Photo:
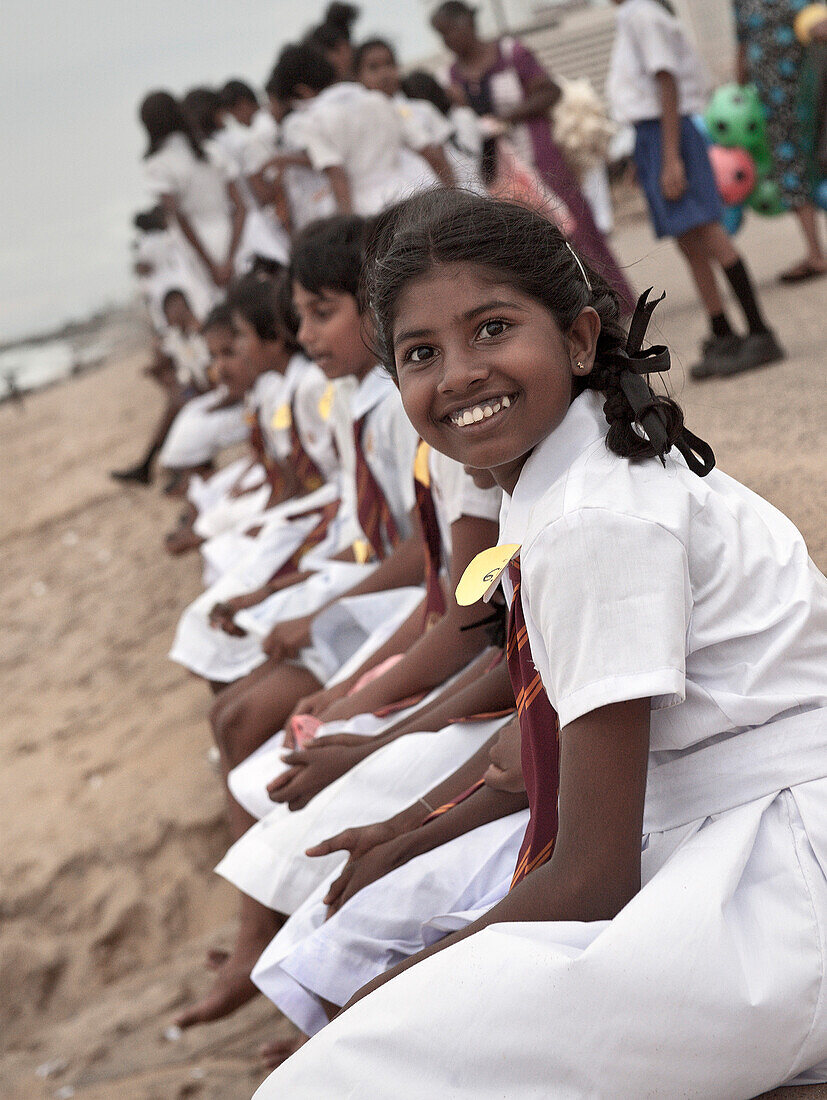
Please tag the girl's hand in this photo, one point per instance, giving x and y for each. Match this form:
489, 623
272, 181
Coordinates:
317, 703
222, 615
505, 773
360, 871
357, 841
312, 769
673, 178
287, 638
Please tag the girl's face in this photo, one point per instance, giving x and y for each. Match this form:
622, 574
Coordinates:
484, 371
258, 354
340, 57
229, 368
330, 331
457, 32
378, 71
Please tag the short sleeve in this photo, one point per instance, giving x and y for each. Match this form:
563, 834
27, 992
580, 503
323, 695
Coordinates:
526, 65
164, 174
312, 135
456, 493
423, 124
657, 40
610, 596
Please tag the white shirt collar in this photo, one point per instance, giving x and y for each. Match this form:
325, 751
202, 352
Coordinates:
373, 388
583, 425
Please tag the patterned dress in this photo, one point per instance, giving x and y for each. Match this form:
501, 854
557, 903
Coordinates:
777, 65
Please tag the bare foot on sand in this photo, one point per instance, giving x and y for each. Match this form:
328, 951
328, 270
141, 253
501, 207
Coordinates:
273, 1054
231, 989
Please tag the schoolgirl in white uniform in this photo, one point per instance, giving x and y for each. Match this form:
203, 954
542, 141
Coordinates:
194, 193
466, 136
355, 136
675, 629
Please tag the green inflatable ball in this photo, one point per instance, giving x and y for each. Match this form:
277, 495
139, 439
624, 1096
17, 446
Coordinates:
735, 117
766, 200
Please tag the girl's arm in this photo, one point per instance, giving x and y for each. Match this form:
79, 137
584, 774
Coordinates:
672, 171
172, 209
435, 156
340, 186
541, 94
436, 654
405, 566
595, 869
239, 217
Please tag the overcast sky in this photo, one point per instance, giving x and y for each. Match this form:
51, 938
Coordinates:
71, 76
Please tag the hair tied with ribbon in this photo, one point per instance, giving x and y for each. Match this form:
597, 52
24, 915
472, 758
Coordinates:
635, 365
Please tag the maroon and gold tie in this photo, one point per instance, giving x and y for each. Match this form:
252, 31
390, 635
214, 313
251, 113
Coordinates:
426, 511
259, 448
372, 509
308, 473
540, 747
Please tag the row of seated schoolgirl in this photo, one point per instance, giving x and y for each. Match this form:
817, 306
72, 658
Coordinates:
437, 821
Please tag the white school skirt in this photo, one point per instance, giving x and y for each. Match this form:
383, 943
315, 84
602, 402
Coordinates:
708, 984
199, 432
217, 656
269, 861
313, 959
204, 492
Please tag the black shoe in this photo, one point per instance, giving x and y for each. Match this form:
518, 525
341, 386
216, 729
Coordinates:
140, 474
719, 356
759, 349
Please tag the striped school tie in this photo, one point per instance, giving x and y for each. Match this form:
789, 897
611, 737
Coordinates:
426, 510
259, 448
372, 509
539, 729
308, 473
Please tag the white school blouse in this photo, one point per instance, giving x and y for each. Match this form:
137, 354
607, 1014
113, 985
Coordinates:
361, 131
648, 41
302, 391
640, 580
455, 495
199, 188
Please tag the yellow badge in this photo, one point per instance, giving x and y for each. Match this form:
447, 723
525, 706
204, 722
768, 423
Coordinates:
282, 418
421, 471
326, 402
361, 551
480, 578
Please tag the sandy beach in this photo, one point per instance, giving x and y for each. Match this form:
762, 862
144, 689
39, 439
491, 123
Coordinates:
112, 813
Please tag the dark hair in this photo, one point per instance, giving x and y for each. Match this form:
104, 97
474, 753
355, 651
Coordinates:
328, 254
528, 251
203, 105
256, 298
334, 28
171, 295
162, 115
151, 221
220, 316
364, 48
301, 64
422, 85
236, 91
454, 9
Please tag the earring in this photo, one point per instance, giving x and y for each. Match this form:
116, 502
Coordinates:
579, 366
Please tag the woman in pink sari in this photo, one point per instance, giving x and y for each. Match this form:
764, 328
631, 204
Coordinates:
504, 79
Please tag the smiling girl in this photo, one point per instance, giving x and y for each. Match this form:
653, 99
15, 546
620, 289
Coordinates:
667, 639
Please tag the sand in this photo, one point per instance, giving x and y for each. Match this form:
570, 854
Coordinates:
111, 810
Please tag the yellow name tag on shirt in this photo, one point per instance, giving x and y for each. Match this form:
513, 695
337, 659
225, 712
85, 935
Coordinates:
361, 551
282, 418
326, 403
422, 472
483, 573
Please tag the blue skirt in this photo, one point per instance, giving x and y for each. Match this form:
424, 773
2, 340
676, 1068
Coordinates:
700, 203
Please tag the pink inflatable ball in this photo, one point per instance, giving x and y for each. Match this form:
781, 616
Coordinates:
734, 171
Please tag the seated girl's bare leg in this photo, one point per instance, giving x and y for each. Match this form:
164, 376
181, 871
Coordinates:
226, 693
242, 728
273, 1054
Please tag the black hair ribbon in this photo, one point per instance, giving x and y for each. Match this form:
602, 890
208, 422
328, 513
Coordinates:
634, 365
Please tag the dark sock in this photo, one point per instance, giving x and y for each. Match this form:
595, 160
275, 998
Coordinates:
741, 284
720, 325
